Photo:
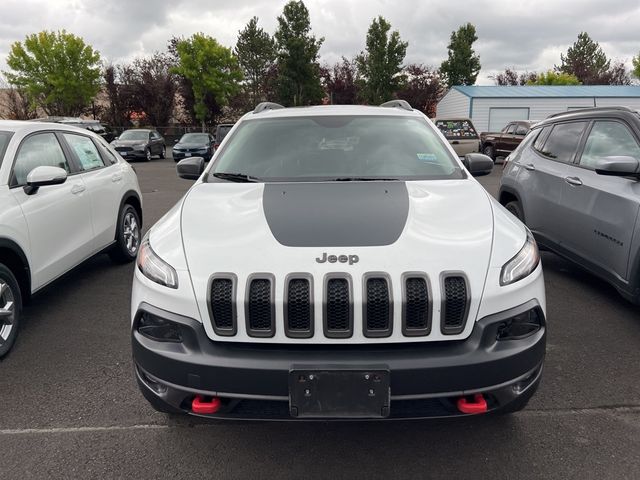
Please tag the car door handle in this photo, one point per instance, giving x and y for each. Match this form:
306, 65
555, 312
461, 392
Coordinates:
455, 142
575, 181
77, 188
530, 166
116, 177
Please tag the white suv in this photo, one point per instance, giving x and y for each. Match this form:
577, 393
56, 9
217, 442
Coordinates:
337, 262
65, 195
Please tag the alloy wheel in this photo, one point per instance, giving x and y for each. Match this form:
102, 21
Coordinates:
131, 233
7, 311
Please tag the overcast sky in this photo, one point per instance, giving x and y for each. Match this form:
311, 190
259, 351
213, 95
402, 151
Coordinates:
527, 35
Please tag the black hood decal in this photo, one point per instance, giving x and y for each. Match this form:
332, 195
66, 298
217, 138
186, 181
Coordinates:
336, 214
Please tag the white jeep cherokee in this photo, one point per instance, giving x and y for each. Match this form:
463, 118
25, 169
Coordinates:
337, 262
65, 195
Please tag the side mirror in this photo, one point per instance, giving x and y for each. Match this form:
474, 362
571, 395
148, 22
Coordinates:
190, 168
115, 138
617, 166
477, 163
176, 140
43, 176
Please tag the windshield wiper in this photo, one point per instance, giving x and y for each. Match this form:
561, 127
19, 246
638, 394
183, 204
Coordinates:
236, 177
363, 179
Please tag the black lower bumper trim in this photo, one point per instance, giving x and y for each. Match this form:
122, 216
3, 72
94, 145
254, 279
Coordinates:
419, 371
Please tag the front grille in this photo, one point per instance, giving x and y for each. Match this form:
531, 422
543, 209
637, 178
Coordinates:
260, 308
338, 311
299, 308
455, 305
124, 149
222, 306
377, 311
416, 313
294, 314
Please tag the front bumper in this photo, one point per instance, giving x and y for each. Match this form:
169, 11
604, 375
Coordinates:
136, 154
180, 155
252, 380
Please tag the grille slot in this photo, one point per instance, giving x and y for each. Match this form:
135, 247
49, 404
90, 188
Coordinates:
377, 309
298, 310
416, 310
455, 305
338, 308
259, 309
222, 305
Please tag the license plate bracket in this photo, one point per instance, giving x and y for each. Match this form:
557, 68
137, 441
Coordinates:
328, 393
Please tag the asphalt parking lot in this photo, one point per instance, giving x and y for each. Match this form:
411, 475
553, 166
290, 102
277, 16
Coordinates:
70, 408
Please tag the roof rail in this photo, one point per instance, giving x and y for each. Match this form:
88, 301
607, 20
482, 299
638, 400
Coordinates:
592, 109
261, 107
403, 104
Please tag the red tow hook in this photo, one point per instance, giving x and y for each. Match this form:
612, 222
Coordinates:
478, 405
202, 407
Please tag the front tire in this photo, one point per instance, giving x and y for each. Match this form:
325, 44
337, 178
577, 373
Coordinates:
163, 152
128, 236
147, 154
516, 209
10, 309
490, 152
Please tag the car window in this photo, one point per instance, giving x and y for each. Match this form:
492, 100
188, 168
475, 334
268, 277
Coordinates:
541, 138
521, 129
105, 151
562, 142
608, 138
135, 135
4, 142
457, 129
85, 150
506, 128
42, 149
511, 129
326, 148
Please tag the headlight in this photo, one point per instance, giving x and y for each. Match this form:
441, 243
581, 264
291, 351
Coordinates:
154, 268
520, 266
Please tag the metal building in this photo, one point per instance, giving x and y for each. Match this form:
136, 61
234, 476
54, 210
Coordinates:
491, 108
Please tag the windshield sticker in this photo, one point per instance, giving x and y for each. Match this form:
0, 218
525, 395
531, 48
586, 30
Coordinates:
427, 157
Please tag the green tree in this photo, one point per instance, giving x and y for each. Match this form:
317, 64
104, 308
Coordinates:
57, 71
636, 66
380, 65
462, 65
299, 80
587, 61
554, 78
256, 52
212, 70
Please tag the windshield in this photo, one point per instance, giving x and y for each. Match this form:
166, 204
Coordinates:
195, 138
457, 129
135, 135
4, 141
337, 148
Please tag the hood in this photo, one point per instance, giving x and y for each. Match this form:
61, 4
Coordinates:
433, 227
128, 143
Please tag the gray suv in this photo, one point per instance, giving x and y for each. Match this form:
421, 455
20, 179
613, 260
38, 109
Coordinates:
575, 182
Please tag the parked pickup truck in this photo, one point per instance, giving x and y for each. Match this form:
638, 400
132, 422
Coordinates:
502, 143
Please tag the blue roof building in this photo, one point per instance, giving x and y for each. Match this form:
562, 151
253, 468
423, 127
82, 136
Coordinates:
491, 108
